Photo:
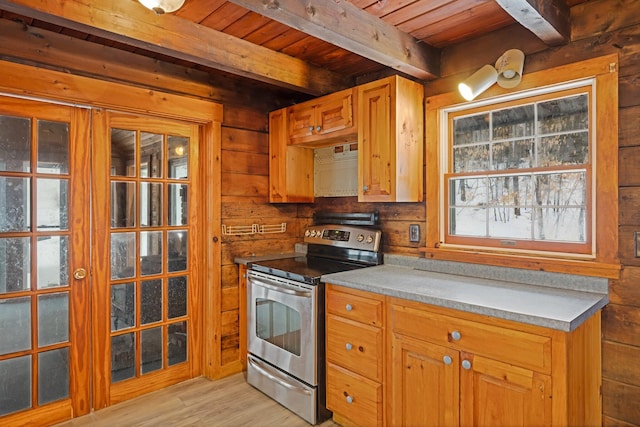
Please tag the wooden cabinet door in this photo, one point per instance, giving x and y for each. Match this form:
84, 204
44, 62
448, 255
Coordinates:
376, 148
424, 383
493, 393
335, 113
290, 167
301, 120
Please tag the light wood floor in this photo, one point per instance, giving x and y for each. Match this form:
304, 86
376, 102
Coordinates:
228, 402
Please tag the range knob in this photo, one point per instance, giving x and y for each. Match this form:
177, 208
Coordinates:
369, 239
307, 233
360, 237
313, 233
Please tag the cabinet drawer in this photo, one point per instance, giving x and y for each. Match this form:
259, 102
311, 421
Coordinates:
355, 346
355, 398
354, 307
506, 345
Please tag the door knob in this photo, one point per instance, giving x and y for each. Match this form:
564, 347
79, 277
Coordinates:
79, 273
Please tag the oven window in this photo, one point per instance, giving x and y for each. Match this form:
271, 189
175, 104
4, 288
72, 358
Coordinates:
278, 324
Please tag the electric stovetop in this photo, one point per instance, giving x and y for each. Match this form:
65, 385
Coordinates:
303, 268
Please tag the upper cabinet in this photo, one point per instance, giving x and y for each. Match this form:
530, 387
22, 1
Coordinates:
325, 120
290, 167
385, 117
390, 141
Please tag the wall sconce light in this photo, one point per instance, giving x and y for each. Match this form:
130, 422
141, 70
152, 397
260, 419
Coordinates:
507, 73
162, 6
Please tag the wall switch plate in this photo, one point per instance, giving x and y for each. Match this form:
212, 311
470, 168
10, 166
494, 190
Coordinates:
414, 233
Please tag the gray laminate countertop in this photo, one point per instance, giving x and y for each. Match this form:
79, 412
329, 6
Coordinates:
556, 307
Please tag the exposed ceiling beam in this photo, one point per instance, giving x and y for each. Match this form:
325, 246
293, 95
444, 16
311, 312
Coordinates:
342, 24
130, 23
549, 20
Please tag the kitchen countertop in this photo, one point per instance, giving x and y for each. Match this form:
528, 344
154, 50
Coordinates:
552, 306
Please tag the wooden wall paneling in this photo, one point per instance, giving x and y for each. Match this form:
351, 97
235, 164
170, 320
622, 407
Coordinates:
621, 325
619, 401
626, 242
245, 117
629, 206
245, 162
229, 276
595, 17
629, 132
247, 140
626, 290
252, 188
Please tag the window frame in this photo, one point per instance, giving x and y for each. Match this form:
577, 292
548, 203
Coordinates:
602, 260
510, 244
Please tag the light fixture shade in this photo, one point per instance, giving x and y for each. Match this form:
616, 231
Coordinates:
509, 67
162, 6
479, 81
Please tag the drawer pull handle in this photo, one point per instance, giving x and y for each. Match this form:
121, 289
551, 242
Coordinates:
318, 128
466, 364
456, 335
310, 128
348, 307
447, 360
349, 346
349, 399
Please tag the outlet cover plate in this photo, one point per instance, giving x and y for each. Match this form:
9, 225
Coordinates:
414, 233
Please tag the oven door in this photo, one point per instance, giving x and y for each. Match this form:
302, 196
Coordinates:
282, 321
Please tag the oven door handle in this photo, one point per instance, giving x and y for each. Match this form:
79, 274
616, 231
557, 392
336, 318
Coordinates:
257, 365
281, 287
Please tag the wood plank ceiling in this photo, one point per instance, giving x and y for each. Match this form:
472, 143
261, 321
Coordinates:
307, 46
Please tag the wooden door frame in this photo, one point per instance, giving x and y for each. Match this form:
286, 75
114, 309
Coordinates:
54, 86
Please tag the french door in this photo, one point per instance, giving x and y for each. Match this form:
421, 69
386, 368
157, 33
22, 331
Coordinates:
100, 292
145, 284
44, 262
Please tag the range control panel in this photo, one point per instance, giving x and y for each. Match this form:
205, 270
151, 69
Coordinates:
344, 236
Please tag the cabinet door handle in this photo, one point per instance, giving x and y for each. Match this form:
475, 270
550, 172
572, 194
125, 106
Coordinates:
310, 128
447, 360
349, 346
466, 364
349, 399
456, 335
348, 307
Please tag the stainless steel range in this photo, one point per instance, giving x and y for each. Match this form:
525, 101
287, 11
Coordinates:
285, 303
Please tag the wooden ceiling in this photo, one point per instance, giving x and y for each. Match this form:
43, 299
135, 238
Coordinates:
308, 46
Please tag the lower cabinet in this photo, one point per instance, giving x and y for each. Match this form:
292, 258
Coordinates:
355, 356
445, 367
449, 367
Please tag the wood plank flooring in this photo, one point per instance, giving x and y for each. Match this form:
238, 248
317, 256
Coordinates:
227, 402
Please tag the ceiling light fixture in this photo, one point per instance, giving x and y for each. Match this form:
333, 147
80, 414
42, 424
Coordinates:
507, 73
162, 6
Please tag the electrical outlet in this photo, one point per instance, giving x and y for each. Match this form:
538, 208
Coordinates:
414, 233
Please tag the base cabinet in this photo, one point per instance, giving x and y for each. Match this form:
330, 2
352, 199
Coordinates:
454, 368
355, 356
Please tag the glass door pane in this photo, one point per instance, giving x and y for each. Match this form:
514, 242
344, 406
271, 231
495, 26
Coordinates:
149, 243
41, 349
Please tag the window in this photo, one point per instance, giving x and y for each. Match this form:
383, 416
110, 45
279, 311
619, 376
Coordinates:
527, 178
519, 173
